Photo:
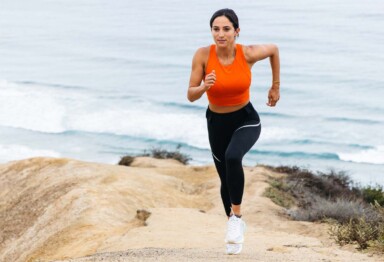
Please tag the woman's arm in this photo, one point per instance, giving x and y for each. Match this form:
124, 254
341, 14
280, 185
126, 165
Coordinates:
196, 88
256, 53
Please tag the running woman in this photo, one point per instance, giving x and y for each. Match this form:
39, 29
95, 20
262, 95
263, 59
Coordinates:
223, 71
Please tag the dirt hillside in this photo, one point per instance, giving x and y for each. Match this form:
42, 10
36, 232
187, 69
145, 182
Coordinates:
155, 210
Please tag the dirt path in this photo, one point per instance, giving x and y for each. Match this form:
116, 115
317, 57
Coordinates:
189, 234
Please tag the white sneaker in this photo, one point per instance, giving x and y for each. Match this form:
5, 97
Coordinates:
234, 249
235, 230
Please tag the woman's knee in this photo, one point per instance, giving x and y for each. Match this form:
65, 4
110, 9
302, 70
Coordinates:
232, 157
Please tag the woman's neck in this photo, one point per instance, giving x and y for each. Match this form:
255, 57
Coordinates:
226, 54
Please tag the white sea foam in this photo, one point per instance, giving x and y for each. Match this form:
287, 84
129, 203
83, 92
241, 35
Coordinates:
149, 120
54, 110
17, 152
370, 156
50, 110
271, 134
143, 120
26, 107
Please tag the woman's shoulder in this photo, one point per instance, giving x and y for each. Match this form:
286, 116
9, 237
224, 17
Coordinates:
254, 53
251, 51
203, 51
202, 54
248, 48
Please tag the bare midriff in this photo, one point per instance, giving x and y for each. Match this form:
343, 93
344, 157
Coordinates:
226, 109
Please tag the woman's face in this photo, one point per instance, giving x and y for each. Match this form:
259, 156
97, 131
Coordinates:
223, 31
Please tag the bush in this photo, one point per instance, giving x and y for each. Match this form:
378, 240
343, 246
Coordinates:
363, 231
372, 194
340, 210
333, 197
159, 154
356, 230
126, 160
279, 197
164, 154
329, 186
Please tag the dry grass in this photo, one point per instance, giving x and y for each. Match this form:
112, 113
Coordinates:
332, 197
341, 210
363, 231
278, 194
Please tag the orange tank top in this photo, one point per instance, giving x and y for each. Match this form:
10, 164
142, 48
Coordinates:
232, 81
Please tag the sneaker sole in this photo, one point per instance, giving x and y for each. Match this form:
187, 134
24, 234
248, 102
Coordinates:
234, 242
234, 249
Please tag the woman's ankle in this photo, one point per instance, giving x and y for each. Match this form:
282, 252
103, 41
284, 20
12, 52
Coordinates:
236, 210
234, 214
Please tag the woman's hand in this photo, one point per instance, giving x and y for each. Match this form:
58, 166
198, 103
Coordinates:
273, 96
209, 80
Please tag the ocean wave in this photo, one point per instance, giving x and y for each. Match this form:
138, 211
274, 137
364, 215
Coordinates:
297, 154
353, 120
140, 99
17, 152
144, 122
327, 143
184, 106
49, 110
277, 115
369, 156
276, 134
22, 106
41, 84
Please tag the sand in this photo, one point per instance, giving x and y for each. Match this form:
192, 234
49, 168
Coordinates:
155, 210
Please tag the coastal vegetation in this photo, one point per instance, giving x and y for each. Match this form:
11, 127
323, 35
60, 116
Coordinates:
355, 213
159, 153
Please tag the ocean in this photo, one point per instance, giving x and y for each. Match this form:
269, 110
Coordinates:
97, 80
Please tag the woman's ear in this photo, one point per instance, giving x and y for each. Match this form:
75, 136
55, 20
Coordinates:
237, 32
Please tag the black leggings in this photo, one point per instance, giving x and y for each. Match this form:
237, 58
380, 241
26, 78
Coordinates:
231, 136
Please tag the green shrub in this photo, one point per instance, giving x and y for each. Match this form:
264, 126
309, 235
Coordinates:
372, 194
279, 197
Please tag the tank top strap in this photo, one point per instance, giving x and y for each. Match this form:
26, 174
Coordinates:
212, 50
211, 63
239, 48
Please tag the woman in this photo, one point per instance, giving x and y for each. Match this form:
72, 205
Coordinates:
223, 72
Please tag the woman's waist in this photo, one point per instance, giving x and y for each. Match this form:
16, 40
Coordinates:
227, 109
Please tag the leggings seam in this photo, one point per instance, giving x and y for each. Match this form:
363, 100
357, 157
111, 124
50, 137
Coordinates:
248, 126
215, 157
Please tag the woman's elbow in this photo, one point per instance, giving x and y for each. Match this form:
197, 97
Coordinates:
190, 98
275, 49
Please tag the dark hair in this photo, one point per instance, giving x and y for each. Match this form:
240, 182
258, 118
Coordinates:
228, 13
